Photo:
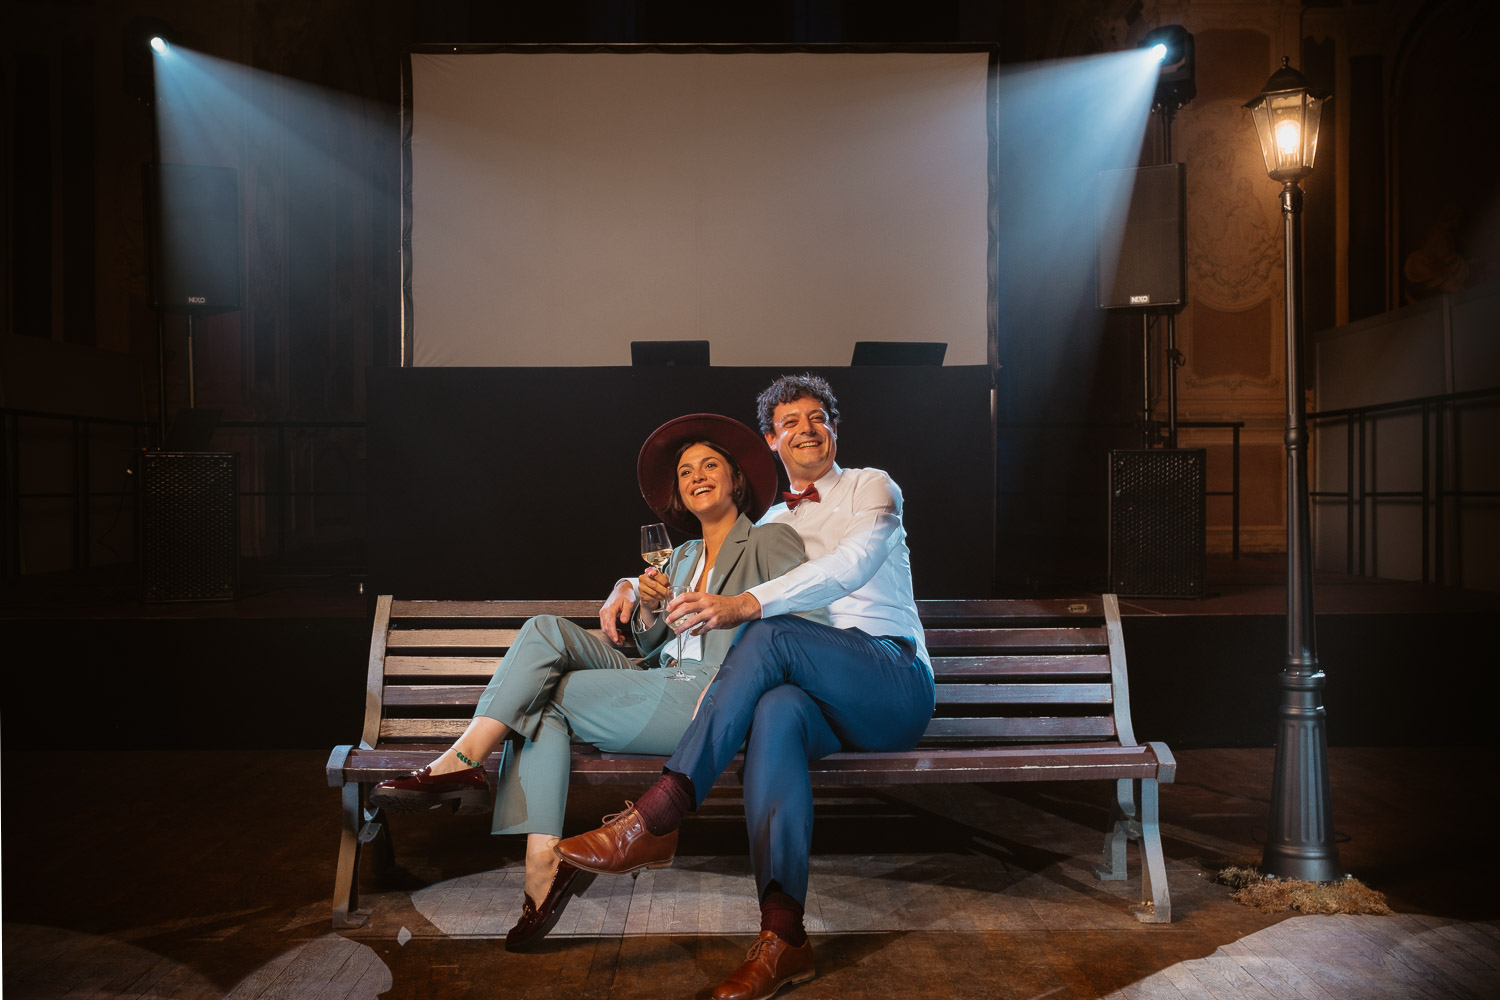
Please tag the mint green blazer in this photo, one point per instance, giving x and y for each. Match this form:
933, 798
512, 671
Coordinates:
750, 555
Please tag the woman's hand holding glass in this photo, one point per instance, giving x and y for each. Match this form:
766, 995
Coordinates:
655, 591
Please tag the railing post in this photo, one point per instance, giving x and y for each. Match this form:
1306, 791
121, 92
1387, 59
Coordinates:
1439, 567
1234, 500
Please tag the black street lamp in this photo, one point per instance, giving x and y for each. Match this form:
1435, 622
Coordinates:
1299, 844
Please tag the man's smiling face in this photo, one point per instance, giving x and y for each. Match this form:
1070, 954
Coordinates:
804, 440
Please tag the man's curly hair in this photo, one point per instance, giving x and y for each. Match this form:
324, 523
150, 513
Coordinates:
789, 389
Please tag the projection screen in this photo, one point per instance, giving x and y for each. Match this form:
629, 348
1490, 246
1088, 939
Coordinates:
779, 204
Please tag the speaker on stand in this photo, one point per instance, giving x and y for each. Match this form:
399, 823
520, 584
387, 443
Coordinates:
1157, 498
189, 496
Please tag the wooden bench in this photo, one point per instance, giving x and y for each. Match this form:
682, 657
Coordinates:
1026, 691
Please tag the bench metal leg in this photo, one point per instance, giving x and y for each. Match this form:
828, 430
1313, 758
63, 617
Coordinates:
358, 829
346, 912
1123, 827
1156, 901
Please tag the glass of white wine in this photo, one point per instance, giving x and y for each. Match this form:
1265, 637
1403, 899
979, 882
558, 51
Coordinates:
656, 547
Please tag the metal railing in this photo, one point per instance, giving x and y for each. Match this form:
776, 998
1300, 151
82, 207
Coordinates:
1437, 418
83, 491
1234, 427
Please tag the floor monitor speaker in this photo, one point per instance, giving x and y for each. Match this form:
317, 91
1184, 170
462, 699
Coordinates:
189, 526
1157, 522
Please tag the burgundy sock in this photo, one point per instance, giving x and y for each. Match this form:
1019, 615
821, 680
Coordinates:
782, 915
666, 802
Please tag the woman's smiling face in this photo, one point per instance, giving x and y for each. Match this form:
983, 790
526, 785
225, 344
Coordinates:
705, 482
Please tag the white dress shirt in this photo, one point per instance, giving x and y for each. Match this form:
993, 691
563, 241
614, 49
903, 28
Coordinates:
858, 564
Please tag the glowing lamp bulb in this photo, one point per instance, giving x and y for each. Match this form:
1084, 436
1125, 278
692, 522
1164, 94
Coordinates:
159, 44
1288, 138
1159, 51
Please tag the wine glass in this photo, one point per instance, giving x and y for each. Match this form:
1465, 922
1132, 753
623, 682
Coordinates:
656, 547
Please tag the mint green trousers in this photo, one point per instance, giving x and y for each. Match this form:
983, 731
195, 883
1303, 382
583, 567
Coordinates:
559, 684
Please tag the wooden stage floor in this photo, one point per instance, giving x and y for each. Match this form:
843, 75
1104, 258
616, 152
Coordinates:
207, 875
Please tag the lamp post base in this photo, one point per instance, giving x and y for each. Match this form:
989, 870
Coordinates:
1299, 843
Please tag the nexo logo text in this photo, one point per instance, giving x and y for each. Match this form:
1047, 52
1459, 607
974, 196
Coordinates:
1140, 300
197, 300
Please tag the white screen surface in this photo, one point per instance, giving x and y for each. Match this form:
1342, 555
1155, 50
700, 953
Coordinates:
779, 205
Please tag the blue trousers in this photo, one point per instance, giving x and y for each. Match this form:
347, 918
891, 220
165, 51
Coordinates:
792, 691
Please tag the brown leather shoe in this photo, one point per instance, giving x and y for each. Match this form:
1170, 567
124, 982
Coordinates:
621, 845
770, 965
466, 789
539, 918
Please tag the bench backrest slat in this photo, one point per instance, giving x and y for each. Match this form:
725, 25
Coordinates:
397, 667
1017, 638
455, 695
958, 668
422, 730
518, 610
1023, 694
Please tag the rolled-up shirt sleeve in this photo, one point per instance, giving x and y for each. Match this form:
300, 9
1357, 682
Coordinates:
874, 529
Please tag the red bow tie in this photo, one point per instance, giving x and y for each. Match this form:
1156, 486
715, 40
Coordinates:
793, 499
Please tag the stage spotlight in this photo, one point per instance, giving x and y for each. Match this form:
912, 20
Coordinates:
138, 40
1173, 46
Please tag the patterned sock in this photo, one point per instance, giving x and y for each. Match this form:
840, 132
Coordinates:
782, 915
666, 802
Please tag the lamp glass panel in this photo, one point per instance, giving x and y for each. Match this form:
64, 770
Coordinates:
1310, 128
1260, 114
1286, 117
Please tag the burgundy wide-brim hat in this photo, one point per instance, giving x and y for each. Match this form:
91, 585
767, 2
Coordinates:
656, 469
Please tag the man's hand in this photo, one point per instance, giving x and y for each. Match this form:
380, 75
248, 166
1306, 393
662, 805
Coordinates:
696, 613
617, 608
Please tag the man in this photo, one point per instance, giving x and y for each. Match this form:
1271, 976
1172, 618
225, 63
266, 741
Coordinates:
797, 690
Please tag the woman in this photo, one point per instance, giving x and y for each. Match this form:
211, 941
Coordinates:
559, 683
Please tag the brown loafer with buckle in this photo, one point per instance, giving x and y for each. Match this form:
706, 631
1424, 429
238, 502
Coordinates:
770, 965
621, 845
539, 918
422, 790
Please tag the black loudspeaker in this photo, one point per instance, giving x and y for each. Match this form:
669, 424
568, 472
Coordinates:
195, 254
1157, 522
189, 526
1142, 264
